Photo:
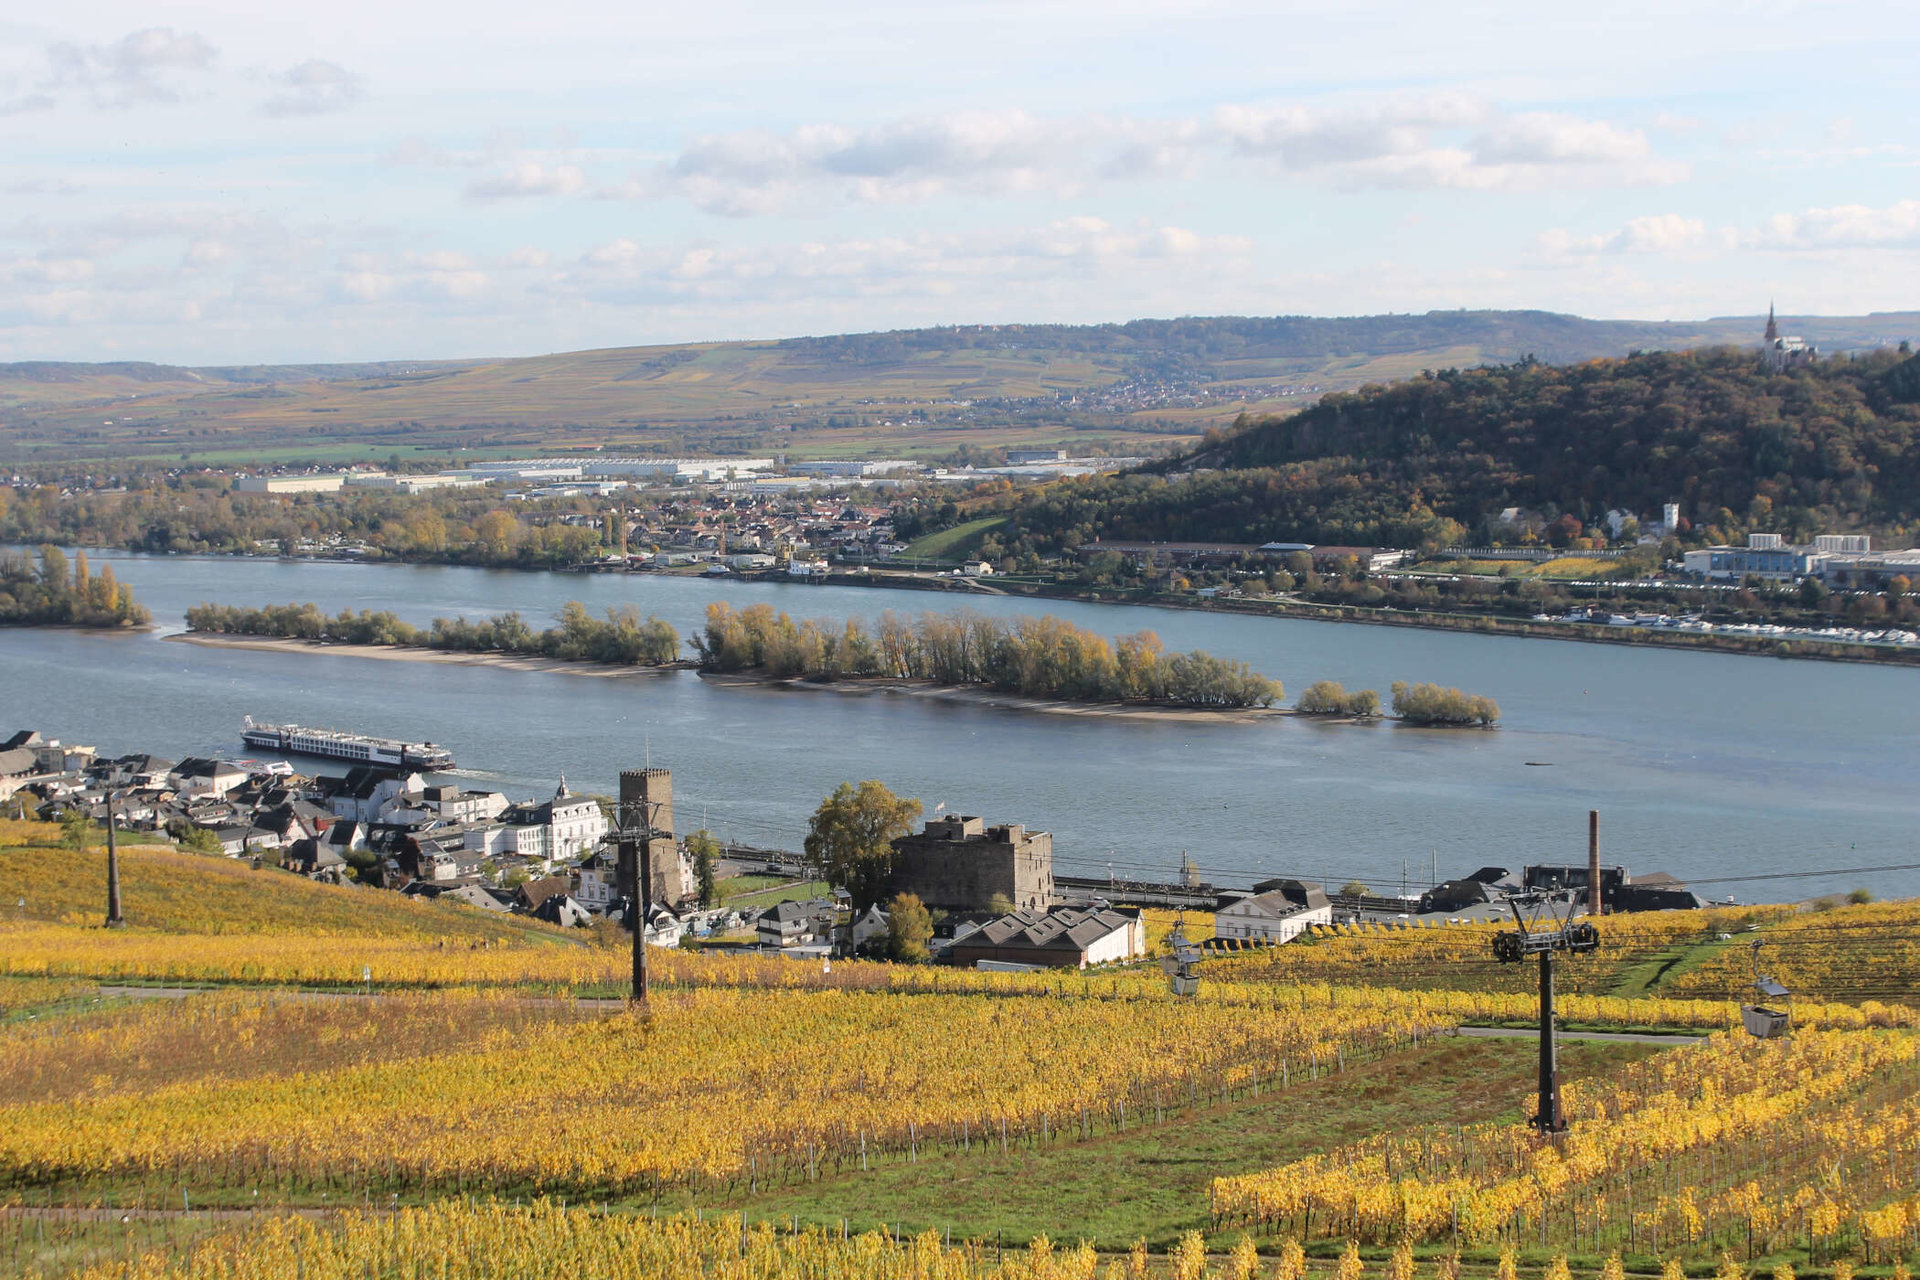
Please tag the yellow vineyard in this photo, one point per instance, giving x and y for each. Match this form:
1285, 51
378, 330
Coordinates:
488, 1239
1425, 954
717, 1087
165, 889
413, 1078
1736, 1143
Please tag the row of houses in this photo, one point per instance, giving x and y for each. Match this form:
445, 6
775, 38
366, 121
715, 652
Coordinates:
1058, 937
992, 885
377, 826
1163, 555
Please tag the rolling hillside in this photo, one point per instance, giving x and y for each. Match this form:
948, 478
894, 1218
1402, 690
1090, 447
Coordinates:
919, 391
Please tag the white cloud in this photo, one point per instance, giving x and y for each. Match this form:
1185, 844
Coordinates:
1305, 138
144, 67
43, 187
418, 151
627, 270
1676, 122
1546, 138
1441, 140
1657, 233
1846, 226
314, 87
1838, 228
529, 178
25, 102
44, 269
136, 275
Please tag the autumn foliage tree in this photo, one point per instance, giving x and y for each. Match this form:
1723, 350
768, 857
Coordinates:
909, 929
850, 838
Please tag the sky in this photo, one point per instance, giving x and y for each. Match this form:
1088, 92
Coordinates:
217, 182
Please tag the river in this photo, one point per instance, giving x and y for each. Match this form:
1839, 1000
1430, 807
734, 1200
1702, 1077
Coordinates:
1703, 764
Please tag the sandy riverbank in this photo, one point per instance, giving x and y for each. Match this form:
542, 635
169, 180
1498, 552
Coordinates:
993, 698
409, 653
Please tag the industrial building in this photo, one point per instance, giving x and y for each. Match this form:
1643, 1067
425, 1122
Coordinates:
1840, 559
329, 483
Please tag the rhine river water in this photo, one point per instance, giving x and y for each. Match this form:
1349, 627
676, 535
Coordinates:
1706, 765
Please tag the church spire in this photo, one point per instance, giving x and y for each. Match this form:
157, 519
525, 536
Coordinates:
1773, 330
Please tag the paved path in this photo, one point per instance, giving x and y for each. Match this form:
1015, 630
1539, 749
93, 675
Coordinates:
1629, 1037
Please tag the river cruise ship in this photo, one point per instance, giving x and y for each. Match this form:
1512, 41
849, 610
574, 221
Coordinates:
293, 739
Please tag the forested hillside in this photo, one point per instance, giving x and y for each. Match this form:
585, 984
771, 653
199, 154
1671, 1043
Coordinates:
1113, 388
1830, 447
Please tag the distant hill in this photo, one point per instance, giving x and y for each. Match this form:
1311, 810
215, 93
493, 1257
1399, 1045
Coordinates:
924, 391
1827, 448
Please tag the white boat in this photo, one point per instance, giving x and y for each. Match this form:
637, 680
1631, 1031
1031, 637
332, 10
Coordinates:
334, 744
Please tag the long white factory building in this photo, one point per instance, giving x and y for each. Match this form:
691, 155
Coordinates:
551, 469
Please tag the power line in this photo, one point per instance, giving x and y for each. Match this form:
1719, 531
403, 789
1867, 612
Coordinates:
1803, 875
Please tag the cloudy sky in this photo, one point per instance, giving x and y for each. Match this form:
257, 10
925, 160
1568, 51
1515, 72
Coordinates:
219, 182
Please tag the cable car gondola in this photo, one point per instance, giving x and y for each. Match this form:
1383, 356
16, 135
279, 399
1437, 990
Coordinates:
1182, 967
1762, 1020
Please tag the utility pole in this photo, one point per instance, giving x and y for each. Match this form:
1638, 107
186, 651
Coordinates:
114, 919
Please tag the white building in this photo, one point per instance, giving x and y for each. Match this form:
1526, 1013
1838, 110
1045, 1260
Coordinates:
453, 804
413, 483
664, 929
200, 776
1764, 556
555, 831
853, 468
677, 468
525, 469
1279, 915
1842, 559
291, 484
597, 880
874, 924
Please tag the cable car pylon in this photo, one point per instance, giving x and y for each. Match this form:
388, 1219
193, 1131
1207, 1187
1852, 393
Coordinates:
1575, 937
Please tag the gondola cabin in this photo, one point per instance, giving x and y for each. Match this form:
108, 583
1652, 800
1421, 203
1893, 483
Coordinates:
1762, 1020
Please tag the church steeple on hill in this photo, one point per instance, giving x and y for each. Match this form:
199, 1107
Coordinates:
1773, 330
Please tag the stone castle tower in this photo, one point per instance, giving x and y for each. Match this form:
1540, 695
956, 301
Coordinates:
646, 796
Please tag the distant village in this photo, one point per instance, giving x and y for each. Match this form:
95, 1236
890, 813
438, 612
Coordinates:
991, 889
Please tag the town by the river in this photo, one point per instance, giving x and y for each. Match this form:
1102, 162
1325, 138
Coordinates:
1712, 766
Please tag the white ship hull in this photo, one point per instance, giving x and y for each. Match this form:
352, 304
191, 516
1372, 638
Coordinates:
356, 748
